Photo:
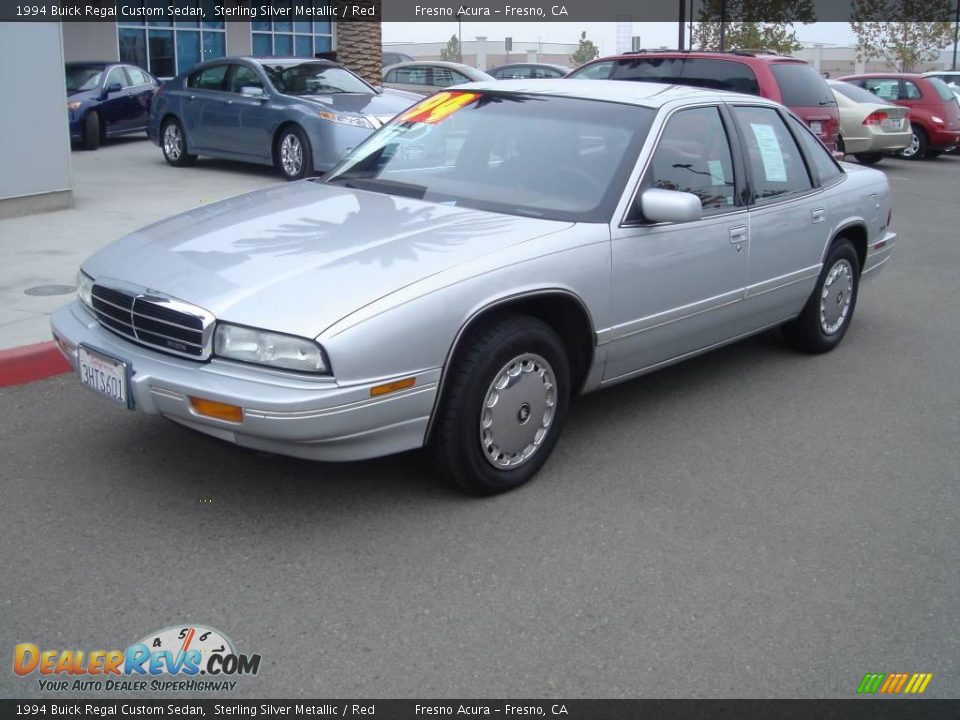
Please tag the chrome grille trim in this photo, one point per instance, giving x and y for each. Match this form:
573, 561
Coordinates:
154, 320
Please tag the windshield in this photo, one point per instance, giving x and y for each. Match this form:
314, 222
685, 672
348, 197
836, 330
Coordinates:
858, 94
83, 78
314, 78
533, 155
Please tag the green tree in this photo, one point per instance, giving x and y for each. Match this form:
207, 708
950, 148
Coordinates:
752, 24
452, 52
586, 51
359, 45
905, 44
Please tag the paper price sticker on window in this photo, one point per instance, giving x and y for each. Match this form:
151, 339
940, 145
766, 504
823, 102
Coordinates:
770, 152
436, 108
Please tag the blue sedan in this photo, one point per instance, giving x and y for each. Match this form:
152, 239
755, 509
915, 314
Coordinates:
105, 99
296, 114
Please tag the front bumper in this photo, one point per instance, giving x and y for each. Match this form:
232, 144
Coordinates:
284, 413
878, 253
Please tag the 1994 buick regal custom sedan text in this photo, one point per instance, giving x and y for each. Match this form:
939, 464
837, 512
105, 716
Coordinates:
484, 256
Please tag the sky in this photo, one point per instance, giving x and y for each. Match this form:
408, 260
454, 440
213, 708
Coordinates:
604, 34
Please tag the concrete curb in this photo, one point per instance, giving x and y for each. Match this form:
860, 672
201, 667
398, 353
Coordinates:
31, 362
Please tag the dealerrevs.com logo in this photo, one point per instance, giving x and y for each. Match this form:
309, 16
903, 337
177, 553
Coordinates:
189, 659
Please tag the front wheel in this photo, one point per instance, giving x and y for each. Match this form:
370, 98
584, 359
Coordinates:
503, 405
174, 144
869, 158
294, 156
825, 318
91, 131
917, 149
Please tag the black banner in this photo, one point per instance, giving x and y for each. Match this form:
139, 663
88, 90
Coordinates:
476, 10
853, 709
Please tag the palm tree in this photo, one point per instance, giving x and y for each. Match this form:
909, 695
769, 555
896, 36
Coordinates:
359, 42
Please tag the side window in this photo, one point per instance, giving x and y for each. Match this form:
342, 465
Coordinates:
116, 76
911, 91
445, 77
884, 88
390, 76
137, 76
776, 165
244, 77
820, 158
210, 78
720, 75
694, 156
597, 71
415, 75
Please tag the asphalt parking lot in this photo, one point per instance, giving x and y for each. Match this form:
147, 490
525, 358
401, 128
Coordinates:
751, 523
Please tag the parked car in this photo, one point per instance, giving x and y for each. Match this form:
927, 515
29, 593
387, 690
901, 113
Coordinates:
870, 127
950, 77
457, 295
524, 71
392, 58
787, 80
298, 115
106, 99
425, 78
933, 109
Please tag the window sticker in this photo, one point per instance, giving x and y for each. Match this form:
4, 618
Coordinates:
770, 152
437, 107
716, 172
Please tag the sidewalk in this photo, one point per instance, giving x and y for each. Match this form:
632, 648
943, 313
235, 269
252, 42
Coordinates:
124, 185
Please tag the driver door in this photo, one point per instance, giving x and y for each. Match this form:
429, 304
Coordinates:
247, 120
678, 288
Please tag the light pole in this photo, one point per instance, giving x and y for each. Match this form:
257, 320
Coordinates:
681, 22
956, 35
723, 25
460, 35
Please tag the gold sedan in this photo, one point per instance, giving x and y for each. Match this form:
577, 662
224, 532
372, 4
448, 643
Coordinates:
870, 127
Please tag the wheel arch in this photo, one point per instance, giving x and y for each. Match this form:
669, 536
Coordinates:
275, 140
856, 233
564, 311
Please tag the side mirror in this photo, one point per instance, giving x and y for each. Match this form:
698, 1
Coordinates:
112, 88
251, 91
670, 206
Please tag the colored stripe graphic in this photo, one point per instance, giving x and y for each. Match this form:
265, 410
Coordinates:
894, 683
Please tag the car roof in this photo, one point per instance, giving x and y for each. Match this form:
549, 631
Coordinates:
533, 64
736, 55
633, 92
282, 60
878, 75
95, 64
436, 63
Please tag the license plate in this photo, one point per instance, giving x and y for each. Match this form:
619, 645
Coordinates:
105, 375
893, 123
817, 127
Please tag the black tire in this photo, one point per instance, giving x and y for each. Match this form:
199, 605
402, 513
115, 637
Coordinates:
841, 146
869, 158
287, 165
173, 143
91, 131
920, 141
489, 348
934, 154
808, 332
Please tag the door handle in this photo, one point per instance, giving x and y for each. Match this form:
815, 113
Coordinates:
738, 234
817, 215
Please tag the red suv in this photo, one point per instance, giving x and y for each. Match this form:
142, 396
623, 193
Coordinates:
787, 80
934, 112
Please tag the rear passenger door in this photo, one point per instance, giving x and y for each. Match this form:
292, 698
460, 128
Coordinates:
203, 109
788, 217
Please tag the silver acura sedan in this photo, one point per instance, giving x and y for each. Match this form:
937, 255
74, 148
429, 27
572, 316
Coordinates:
489, 253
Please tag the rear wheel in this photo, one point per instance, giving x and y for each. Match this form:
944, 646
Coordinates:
91, 131
917, 149
503, 405
829, 310
869, 158
174, 144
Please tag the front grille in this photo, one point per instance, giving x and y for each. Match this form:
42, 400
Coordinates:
149, 319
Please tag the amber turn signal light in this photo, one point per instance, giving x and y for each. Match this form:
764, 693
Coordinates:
390, 387
218, 410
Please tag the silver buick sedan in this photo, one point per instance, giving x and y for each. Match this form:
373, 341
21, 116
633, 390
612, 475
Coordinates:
486, 255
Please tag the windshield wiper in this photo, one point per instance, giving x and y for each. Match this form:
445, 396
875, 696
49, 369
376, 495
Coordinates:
388, 187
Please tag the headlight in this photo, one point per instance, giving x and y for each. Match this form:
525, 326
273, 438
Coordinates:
74, 106
85, 288
937, 120
235, 342
352, 120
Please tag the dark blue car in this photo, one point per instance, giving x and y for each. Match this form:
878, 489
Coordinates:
106, 99
299, 115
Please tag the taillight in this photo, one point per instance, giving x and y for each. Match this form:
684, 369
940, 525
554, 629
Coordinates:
875, 118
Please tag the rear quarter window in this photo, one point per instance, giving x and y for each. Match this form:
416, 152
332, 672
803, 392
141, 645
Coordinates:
801, 86
720, 75
942, 89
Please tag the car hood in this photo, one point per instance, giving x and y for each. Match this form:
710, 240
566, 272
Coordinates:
361, 103
300, 257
